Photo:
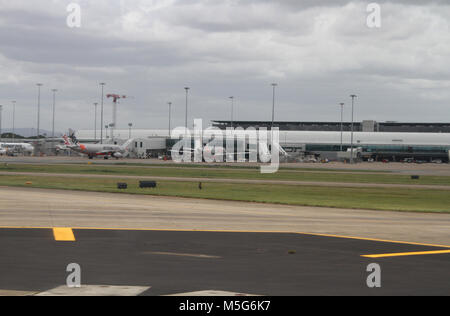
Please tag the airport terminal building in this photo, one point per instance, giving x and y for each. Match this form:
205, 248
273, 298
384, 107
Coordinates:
392, 141
378, 141
364, 126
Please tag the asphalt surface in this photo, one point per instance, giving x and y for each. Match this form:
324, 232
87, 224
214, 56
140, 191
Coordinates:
28, 207
172, 262
192, 257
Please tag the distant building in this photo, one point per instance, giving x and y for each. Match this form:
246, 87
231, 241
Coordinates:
364, 126
392, 141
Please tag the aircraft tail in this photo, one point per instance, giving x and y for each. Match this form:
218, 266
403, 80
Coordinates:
67, 141
72, 136
126, 146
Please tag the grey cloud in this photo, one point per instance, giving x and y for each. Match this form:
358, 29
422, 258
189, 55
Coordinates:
302, 4
398, 71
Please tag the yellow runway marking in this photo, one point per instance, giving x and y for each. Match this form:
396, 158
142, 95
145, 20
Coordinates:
235, 231
377, 240
266, 232
63, 234
404, 254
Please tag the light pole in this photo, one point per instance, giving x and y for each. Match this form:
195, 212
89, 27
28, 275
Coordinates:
186, 117
232, 111
14, 121
1, 110
53, 122
106, 132
342, 126
102, 84
170, 119
130, 125
39, 85
353, 96
274, 85
95, 123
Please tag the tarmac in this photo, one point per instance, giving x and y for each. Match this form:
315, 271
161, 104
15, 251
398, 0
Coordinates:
170, 263
28, 207
150, 246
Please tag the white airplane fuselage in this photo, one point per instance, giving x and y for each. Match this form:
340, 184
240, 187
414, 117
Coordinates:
94, 150
24, 147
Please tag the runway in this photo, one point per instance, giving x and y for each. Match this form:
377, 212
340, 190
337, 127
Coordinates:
151, 246
27, 207
169, 263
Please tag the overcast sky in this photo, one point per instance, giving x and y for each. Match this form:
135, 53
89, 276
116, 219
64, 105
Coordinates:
318, 51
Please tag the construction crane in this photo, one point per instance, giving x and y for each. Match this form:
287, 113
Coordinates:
116, 98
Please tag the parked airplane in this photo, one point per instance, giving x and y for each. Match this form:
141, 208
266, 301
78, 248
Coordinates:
94, 150
16, 147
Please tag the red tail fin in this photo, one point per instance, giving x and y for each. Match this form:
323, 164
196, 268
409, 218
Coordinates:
66, 140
